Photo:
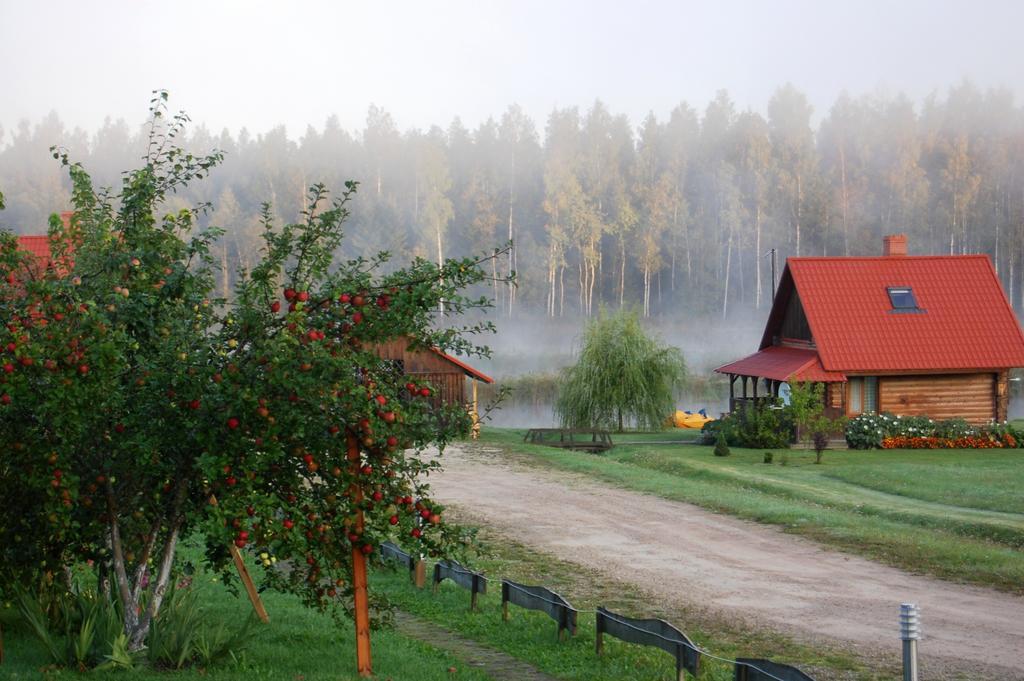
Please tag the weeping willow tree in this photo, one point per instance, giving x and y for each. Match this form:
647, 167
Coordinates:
623, 376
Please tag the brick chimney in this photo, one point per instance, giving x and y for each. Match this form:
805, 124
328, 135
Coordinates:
894, 244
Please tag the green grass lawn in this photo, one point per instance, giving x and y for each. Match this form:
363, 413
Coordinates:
956, 514
674, 436
297, 645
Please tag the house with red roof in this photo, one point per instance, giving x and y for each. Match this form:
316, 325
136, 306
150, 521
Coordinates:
905, 334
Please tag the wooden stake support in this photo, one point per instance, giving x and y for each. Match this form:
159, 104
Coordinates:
250, 588
364, 664
421, 574
243, 574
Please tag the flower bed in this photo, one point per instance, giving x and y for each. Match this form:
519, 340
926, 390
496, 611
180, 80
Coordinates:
986, 441
887, 431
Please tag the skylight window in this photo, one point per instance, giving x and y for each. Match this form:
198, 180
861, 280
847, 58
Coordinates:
902, 299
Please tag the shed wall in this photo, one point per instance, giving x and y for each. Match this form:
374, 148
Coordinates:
448, 381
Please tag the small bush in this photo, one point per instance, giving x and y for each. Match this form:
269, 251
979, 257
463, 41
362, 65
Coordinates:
952, 429
181, 637
721, 446
82, 629
760, 428
768, 457
820, 443
868, 430
709, 431
78, 628
764, 428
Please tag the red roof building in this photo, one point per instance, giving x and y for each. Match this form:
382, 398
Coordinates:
905, 334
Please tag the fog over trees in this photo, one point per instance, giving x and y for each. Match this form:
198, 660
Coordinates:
663, 214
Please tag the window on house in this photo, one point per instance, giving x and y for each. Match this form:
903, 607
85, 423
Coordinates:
902, 299
871, 393
855, 396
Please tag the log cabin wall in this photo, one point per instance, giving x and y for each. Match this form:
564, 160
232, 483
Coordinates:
972, 397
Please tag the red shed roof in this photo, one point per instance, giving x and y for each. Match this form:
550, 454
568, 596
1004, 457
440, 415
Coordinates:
964, 321
780, 363
469, 371
38, 246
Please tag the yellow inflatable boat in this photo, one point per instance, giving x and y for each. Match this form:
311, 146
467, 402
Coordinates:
691, 419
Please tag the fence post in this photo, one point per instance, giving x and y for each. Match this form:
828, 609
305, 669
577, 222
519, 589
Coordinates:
599, 642
909, 634
420, 578
504, 601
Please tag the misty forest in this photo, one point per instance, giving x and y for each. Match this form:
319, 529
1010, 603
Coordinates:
669, 215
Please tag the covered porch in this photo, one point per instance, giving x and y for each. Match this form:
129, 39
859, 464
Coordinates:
761, 375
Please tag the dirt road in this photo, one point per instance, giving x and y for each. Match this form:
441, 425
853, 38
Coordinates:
743, 570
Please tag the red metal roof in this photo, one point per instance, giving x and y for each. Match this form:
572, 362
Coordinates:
470, 371
38, 246
781, 363
965, 321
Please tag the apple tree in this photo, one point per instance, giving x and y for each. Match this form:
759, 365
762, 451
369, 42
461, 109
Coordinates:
137, 408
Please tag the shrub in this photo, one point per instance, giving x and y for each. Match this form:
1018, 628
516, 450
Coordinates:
721, 447
79, 628
709, 431
764, 428
760, 428
807, 409
868, 430
768, 456
952, 429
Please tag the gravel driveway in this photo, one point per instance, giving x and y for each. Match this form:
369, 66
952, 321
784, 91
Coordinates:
683, 553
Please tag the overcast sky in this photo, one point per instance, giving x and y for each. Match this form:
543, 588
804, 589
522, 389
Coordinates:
258, 64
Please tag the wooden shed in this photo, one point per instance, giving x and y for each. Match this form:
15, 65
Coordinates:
909, 335
446, 373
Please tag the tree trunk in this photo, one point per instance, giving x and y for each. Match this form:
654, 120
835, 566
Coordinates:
440, 261
647, 289
551, 280
622, 270
728, 264
224, 268
511, 243
561, 290
844, 199
757, 255
799, 200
